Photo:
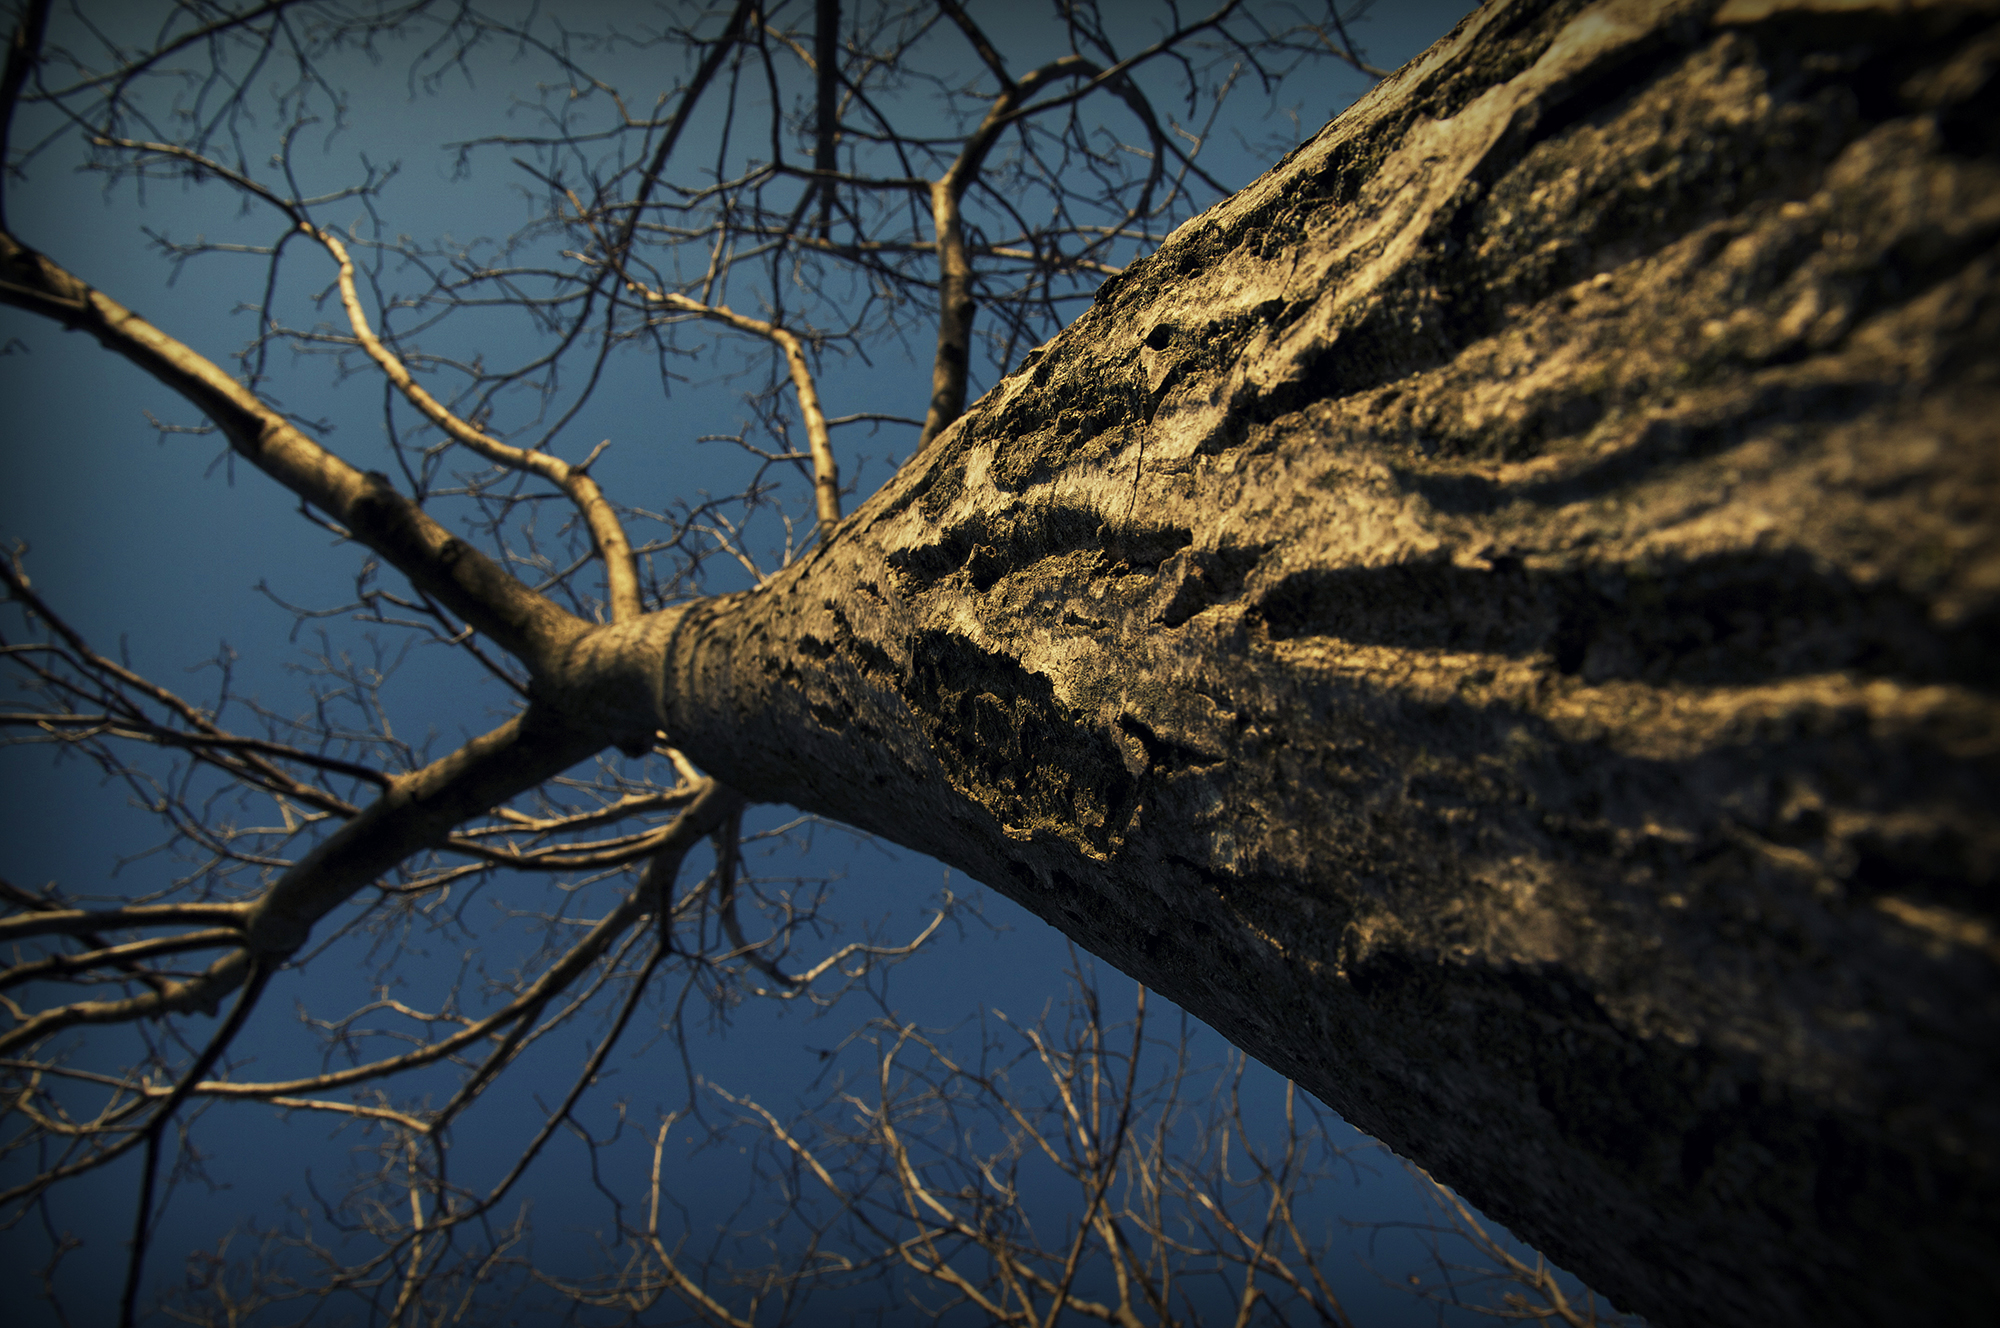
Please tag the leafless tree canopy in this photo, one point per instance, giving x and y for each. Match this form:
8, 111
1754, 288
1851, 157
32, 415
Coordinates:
734, 197
929, 1172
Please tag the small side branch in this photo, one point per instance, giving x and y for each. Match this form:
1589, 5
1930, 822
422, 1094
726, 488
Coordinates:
826, 471
607, 533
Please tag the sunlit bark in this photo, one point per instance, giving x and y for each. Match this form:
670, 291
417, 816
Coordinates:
1497, 619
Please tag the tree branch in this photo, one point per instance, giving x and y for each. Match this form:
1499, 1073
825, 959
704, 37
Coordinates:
470, 584
24, 49
78, 921
826, 470
156, 1127
417, 812
607, 534
826, 46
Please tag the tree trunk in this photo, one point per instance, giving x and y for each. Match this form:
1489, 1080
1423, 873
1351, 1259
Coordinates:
1498, 619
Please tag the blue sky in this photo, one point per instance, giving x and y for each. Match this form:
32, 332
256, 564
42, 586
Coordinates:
155, 545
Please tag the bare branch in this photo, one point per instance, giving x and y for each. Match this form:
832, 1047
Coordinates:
607, 533
24, 48
826, 471
475, 588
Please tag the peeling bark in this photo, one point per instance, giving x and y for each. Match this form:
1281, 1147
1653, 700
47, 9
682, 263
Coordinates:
1497, 618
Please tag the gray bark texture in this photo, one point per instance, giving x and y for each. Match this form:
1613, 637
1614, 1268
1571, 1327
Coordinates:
1498, 618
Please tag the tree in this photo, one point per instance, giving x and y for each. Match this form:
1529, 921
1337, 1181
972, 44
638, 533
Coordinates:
1492, 617
1022, 204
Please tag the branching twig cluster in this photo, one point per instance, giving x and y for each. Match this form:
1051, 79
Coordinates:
1073, 1167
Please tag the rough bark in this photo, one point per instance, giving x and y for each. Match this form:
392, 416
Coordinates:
1497, 619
